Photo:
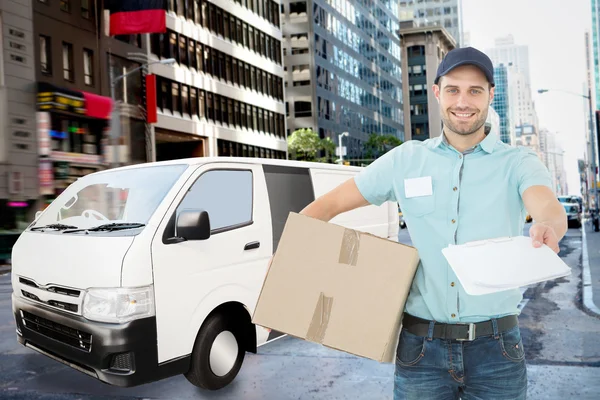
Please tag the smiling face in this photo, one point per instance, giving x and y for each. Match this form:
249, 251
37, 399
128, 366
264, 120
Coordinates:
464, 95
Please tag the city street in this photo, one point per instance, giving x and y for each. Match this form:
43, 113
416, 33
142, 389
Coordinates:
560, 339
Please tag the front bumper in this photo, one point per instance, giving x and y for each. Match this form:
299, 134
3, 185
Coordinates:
117, 354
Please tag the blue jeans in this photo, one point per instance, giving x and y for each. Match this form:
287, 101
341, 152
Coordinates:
487, 368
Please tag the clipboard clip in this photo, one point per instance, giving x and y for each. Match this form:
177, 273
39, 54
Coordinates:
486, 241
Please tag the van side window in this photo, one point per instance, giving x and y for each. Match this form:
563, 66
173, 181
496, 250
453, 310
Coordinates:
225, 194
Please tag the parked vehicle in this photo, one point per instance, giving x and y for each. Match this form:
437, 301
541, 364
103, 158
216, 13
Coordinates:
401, 220
143, 272
573, 214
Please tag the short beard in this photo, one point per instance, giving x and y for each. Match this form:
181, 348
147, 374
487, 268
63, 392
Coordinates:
477, 125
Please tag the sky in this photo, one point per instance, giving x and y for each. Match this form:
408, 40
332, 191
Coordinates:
554, 30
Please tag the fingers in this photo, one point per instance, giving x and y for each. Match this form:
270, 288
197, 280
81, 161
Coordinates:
537, 237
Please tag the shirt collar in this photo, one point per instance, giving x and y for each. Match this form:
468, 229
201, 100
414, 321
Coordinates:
486, 144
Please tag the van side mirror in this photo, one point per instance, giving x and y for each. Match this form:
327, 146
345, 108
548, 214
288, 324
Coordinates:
193, 225
37, 215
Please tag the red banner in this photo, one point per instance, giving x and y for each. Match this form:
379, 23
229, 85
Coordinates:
129, 17
151, 98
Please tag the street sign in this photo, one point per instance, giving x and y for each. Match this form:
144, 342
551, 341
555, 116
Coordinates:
337, 151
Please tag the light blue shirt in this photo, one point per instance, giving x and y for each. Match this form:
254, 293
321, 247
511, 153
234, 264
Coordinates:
476, 195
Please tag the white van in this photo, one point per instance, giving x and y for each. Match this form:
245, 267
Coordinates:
147, 271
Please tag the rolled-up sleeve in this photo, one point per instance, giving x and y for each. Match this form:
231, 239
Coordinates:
376, 181
531, 171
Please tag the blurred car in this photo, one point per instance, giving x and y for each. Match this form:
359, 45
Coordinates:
401, 218
573, 214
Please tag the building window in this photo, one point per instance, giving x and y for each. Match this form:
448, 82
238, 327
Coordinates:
45, 55
175, 96
302, 109
85, 9
88, 67
65, 5
68, 72
201, 104
193, 101
183, 50
185, 104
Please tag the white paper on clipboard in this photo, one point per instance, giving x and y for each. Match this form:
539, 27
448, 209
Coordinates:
495, 265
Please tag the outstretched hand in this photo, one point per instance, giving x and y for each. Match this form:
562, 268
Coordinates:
544, 234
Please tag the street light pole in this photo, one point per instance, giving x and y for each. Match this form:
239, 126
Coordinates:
116, 132
340, 136
592, 138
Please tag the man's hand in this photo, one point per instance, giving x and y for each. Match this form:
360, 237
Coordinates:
544, 234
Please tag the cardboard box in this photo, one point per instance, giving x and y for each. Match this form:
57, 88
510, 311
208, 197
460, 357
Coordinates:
338, 287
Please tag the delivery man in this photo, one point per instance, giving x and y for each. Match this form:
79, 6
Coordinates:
462, 186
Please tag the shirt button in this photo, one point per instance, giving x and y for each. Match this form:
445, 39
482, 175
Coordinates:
460, 156
455, 188
452, 284
453, 221
453, 315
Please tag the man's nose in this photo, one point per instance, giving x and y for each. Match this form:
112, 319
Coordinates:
462, 101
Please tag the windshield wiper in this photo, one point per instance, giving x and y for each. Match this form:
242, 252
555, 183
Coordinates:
116, 226
59, 227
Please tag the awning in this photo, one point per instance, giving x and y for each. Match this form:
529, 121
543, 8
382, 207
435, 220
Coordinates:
97, 106
53, 98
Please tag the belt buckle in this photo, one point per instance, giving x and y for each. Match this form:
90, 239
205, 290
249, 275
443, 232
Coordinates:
471, 333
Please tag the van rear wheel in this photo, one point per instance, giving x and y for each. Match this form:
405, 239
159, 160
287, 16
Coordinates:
218, 354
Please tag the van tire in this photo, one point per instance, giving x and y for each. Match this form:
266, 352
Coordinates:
200, 373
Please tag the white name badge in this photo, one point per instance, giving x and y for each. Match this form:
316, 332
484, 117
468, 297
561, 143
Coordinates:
418, 187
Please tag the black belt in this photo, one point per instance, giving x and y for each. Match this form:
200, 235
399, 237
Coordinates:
460, 331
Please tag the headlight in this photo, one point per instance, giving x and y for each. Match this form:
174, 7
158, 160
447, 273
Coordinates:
118, 305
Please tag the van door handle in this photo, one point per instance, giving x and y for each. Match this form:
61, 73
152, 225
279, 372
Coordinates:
252, 245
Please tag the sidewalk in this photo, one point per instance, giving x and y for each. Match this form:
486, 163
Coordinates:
591, 267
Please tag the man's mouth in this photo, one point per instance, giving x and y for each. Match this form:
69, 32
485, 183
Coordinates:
464, 116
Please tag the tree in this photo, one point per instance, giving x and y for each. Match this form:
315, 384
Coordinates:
378, 145
305, 145
328, 147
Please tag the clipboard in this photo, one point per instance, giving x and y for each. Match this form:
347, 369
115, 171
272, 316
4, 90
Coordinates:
505, 263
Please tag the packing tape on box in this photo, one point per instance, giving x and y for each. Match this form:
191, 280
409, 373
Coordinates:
349, 248
320, 320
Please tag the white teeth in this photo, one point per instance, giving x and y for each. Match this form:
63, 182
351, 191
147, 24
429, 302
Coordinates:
464, 115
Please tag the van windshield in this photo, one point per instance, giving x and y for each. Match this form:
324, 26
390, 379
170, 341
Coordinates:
571, 209
126, 196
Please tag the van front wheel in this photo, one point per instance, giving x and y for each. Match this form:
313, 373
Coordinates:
218, 354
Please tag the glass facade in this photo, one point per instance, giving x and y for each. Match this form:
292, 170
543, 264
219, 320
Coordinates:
501, 103
417, 89
595, 44
356, 66
446, 13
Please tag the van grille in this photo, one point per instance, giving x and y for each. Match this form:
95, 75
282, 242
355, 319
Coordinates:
54, 303
64, 334
53, 289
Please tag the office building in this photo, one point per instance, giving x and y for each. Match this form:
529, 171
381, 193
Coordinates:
527, 135
507, 52
224, 94
72, 114
516, 58
18, 142
501, 103
423, 48
596, 48
343, 70
552, 155
443, 13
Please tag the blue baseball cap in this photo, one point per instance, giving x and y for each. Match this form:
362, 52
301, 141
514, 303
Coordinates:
466, 56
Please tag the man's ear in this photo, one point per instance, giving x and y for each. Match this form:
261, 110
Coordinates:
492, 91
436, 92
